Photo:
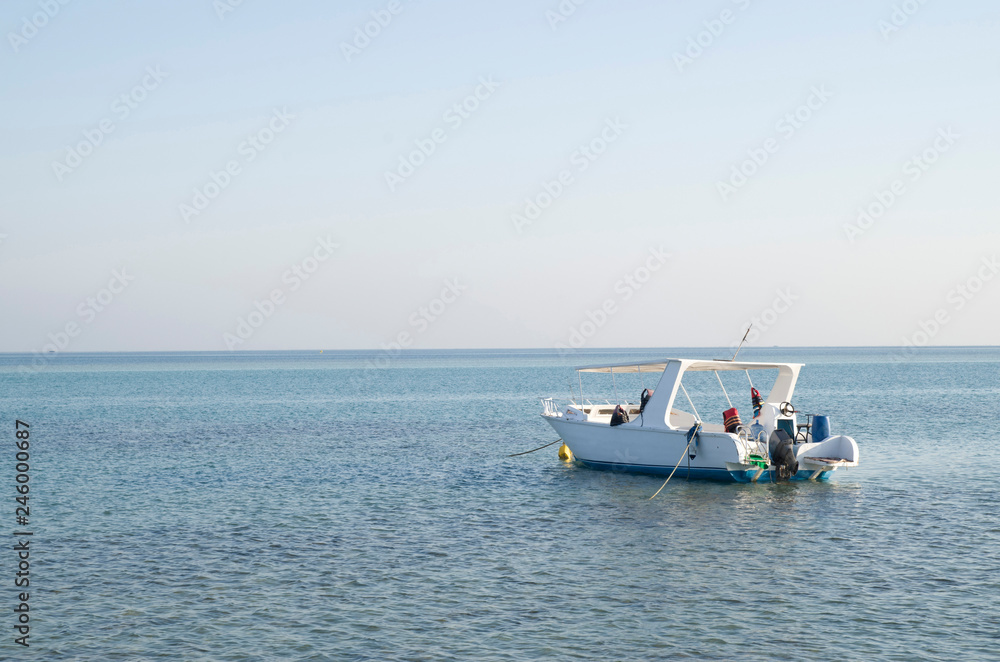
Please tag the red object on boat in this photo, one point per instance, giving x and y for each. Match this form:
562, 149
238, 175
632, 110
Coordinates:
731, 419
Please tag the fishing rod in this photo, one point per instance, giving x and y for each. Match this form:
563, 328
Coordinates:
742, 341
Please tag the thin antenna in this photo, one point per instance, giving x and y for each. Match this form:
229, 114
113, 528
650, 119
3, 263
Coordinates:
742, 341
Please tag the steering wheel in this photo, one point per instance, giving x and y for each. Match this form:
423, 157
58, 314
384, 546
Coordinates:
787, 409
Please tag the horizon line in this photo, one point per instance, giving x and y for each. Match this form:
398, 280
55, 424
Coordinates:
487, 349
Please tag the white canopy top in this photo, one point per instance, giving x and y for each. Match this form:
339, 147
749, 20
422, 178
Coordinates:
694, 365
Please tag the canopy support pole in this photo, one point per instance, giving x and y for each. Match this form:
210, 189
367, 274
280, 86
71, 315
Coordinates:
723, 388
693, 408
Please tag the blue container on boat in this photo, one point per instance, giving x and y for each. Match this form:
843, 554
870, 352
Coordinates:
820, 428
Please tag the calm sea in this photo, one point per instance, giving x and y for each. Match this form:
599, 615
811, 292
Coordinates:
357, 505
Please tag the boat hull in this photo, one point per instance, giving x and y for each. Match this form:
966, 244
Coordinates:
704, 473
635, 449
771, 475
683, 472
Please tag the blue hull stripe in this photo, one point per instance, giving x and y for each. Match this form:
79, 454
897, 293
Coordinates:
699, 473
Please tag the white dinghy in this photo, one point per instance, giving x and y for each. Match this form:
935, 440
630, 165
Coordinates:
658, 435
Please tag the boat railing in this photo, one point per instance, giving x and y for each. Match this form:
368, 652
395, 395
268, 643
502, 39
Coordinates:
555, 407
549, 407
753, 446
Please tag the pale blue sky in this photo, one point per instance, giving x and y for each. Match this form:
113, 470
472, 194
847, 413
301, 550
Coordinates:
656, 185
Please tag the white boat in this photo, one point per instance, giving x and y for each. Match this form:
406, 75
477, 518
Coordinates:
662, 436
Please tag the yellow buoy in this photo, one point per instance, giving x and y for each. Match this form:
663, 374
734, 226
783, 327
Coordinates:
565, 454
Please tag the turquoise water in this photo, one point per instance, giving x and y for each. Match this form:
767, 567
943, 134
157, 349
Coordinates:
305, 506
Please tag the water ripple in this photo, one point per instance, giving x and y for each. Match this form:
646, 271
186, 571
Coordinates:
212, 510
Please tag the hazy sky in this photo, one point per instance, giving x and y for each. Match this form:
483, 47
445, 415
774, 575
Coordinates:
518, 174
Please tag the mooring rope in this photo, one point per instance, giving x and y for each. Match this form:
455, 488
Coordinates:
690, 441
536, 449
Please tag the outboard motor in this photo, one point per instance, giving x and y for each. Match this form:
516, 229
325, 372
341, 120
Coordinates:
783, 455
619, 416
